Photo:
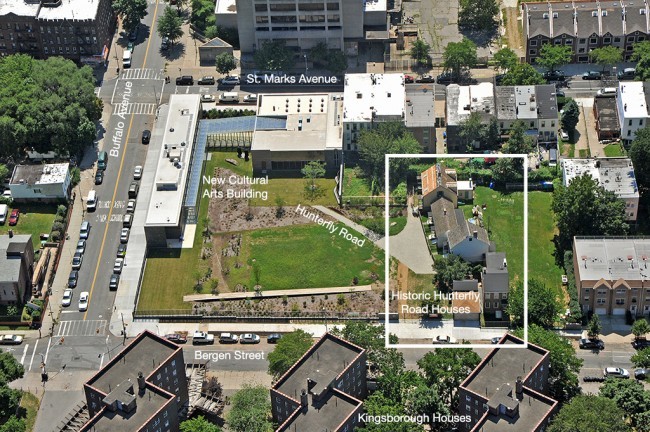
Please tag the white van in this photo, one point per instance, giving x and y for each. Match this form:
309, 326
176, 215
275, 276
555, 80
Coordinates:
91, 201
229, 97
4, 209
126, 58
606, 92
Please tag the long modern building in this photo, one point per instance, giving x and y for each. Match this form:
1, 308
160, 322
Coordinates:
612, 274
80, 30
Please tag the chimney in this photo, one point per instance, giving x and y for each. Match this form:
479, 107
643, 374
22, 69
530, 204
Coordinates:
141, 383
505, 263
444, 211
475, 234
304, 399
519, 386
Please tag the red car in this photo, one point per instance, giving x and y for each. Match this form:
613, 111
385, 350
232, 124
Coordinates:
408, 79
13, 218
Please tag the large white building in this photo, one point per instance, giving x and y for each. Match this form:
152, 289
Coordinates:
47, 183
632, 103
369, 99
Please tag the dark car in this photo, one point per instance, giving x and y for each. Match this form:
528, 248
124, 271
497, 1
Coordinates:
559, 93
73, 279
495, 340
185, 80
554, 75
14, 216
134, 34
642, 373
146, 136
121, 251
207, 80
408, 79
591, 75
133, 190
99, 177
591, 344
641, 343
273, 338
114, 281
425, 79
499, 79
445, 78
626, 74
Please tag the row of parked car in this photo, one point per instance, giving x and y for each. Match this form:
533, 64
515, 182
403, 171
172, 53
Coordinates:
205, 338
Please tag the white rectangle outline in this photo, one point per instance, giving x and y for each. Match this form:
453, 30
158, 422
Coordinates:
387, 158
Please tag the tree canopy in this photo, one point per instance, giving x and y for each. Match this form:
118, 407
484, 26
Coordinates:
505, 59
552, 56
447, 369
543, 306
586, 208
640, 327
251, 410
169, 24
131, 12
198, 424
420, 51
478, 14
594, 327
225, 62
448, 269
588, 414
522, 74
49, 105
640, 155
641, 358
459, 56
606, 56
571, 116
641, 55
629, 395
274, 56
287, 351
10, 370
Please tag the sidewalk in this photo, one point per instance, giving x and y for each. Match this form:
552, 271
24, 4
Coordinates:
277, 293
378, 240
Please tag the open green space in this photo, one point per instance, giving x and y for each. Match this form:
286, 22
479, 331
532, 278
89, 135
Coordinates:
354, 184
541, 229
303, 256
613, 150
29, 404
243, 168
35, 219
400, 223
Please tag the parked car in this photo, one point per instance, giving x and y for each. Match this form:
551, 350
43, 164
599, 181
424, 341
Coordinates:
164, 44
178, 338
207, 80
591, 75
641, 343
77, 259
408, 79
228, 338
249, 338
124, 235
273, 338
133, 190
81, 246
130, 46
564, 135
99, 177
121, 250
444, 340
498, 79
185, 80
250, 98
83, 301
114, 282
554, 75
591, 344
201, 338
73, 279
134, 34
616, 372
445, 78
425, 79
207, 98
11, 339
641, 373
146, 136
626, 74
84, 231
14, 216
130, 206
6, 193
559, 93
137, 172
230, 80
66, 300
117, 267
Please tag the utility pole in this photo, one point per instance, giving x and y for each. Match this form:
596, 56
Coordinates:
123, 330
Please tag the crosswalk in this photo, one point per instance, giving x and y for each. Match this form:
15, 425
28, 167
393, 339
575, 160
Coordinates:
142, 74
81, 328
135, 108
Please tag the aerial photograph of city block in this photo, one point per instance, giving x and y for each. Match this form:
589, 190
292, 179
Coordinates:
324, 216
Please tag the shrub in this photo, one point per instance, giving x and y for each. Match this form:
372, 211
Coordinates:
61, 211
55, 236
75, 173
58, 226
12, 310
572, 290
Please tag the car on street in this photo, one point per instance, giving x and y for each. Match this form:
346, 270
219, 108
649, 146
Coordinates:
596, 344
177, 338
408, 79
498, 79
83, 301
559, 93
230, 80
554, 75
164, 44
66, 300
73, 279
225, 338
273, 338
121, 250
99, 177
591, 75
444, 340
207, 80
425, 79
11, 339
445, 78
249, 338
124, 235
133, 190
130, 46
185, 80
146, 136
564, 135
640, 344
641, 373
81, 246
130, 206
616, 372
250, 98
626, 74
207, 98
134, 34
202, 338
117, 267
114, 281
6, 193
84, 231
14, 216
77, 259
137, 172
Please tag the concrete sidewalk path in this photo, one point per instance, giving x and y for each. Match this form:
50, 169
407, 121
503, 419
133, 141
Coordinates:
410, 246
276, 293
372, 236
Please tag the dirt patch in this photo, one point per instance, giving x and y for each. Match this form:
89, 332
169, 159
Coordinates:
513, 30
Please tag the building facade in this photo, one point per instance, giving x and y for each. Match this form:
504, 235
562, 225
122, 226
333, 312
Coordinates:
41, 183
16, 268
80, 30
495, 284
632, 99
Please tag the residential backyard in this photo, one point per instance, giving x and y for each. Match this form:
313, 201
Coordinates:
35, 219
613, 150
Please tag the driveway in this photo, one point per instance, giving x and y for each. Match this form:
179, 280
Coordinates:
410, 247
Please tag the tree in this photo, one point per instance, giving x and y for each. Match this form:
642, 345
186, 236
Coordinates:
594, 327
288, 350
492, 134
337, 62
586, 208
478, 14
251, 409
588, 414
447, 369
571, 116
9, 400
504, 171
641, 358
131, 12
522, 74
420, 51
564, 365
273, 56
424, 400
448, 269
640, 155
640, 328
319, 52
471, 130
371, 338
378, 404
225, 62
459, 56
552, 56
169, 24
313, 171
629, 395
10, 369
199, 424
641, 55
518, 142
506, 59
13, 424
606, 56
4, 172
543, 305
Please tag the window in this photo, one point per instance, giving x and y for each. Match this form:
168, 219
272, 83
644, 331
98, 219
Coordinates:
630, 122
332, 6
496, 305
568, 42
630, 39
532, 52
557, 42
629, 133
640, 122
543, 124
593, 40
581, 50
607, 40
582, 41
617, 39
600, 301
533, 43
620, 301
552, 123
467, 398
586, 298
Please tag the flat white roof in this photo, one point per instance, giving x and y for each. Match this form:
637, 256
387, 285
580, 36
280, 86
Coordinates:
174, 161
226, 7
464, 185
76, 10
374, 5
18, 7
526, 102
40, 174
612, 258
632, 99
614, 174
383, 94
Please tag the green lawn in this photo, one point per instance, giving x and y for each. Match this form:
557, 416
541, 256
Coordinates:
30, 404
354, 184
584, 153
303, 256
400, 223
541, 228
613, 150
292, 190
34, 219
242, 168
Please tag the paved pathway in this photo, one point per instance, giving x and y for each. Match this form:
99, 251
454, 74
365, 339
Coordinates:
277, 293
374, 237
410, 246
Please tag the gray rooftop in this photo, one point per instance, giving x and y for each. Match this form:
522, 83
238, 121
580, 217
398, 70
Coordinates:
419, 110
587, 24
505, 101
612, 258
444, 216
466, 229
465, 285
40, 174
494, 262
634, 21
546, 101
612, 23
615, 174
216, 42
10, 266
607, 114
533, 408
324, 415
537, 24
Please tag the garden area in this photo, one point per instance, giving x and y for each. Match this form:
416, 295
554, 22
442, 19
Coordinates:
35, 219
614, 150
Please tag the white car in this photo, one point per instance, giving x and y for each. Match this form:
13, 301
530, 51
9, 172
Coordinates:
616, 372
6, 193
249, 338
444, 340
11, 339
564, 135
124, 236
130, 206
117, 267
137, 172
81, 246
67, 298
250, 98
230, 80
207, 98
83, 301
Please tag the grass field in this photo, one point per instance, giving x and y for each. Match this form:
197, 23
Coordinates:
30, 404
292, 190
400, 223
34, 219
584, 153
354, 184
613, 150
306, 256
541, 229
